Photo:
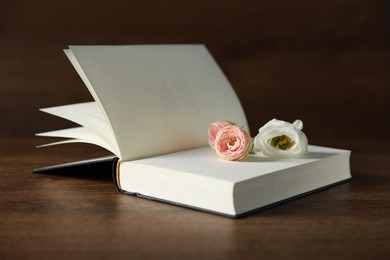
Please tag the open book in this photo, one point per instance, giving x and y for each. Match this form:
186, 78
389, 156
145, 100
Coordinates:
153, 105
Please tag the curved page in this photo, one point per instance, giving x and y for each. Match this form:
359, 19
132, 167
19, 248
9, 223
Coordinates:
158, 98
78, 134
90, 116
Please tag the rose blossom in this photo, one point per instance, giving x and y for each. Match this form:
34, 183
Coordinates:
214, 128
280, 139
232, 143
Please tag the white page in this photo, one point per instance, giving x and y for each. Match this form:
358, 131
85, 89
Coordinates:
81, 73
159, 98
204, 162
199, 178
88, 115
84, 78
78, 134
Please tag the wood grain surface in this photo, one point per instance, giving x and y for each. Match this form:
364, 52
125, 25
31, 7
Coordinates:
325, 62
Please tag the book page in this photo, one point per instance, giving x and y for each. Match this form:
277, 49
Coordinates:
204, 162
199, 178
91, 117
78, 134
158, 98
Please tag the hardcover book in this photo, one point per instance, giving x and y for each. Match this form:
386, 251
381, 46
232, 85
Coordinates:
153, 105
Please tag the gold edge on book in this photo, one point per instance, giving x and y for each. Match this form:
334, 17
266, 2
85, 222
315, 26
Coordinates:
118, 181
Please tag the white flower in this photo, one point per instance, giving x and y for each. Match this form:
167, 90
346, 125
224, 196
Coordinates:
280, 139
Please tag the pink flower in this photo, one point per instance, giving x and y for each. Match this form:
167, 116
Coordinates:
232, 143
214, 129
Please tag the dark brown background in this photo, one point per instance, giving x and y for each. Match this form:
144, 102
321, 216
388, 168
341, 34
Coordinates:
325, 62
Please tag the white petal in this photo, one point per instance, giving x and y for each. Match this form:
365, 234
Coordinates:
275, 128
298, 124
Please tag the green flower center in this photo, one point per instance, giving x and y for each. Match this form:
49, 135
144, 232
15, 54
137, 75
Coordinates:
282, 142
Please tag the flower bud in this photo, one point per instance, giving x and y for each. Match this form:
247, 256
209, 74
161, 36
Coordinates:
214, 129
232, 143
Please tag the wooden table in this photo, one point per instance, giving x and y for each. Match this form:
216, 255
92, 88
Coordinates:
325, 62
81, 215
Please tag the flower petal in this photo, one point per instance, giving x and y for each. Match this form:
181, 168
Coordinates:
280, 139
232, 143
214, 129
298, 124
